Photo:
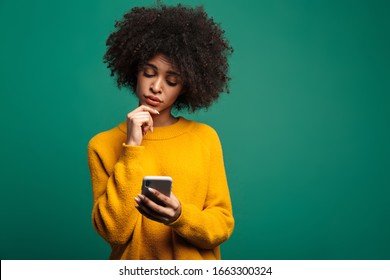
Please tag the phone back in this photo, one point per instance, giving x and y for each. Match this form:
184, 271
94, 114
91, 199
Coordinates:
161, 183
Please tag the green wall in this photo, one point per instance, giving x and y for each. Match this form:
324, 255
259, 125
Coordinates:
305, 129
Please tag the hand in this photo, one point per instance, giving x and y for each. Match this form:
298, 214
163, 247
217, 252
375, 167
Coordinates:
162, 214
139, 122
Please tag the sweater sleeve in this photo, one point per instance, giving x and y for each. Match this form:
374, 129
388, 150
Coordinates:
208, 227
114, 215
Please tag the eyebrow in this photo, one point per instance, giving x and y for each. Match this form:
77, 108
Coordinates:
171, 72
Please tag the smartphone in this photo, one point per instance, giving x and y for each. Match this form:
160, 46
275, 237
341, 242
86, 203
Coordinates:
161, 183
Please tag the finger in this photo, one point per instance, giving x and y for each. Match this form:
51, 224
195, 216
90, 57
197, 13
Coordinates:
152, 217
160, 196
144, 213
145, 108
148, 125
139, 122
170, 211
133, 116
144, 200
144, 120
170, 201
162, 211
145, 123
149, 213
165, 214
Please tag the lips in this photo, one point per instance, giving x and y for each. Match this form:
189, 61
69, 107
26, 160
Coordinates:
152, 100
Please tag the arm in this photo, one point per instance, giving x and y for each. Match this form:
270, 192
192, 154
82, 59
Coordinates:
114, 216
208, 227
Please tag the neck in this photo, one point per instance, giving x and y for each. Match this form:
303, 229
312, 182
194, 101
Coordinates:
164, 119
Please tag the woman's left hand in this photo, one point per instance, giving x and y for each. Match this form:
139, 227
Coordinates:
163, 214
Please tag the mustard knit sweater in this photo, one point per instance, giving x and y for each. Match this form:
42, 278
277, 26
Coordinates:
191, 154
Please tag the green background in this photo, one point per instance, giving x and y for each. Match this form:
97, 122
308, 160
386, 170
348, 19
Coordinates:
305, 129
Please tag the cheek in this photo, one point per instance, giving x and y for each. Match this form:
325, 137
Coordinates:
178, 90
175, 94
140, 85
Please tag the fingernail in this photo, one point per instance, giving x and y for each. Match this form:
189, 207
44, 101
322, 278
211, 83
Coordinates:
137, 199
141, 196
151, 128
157, 112
151, 190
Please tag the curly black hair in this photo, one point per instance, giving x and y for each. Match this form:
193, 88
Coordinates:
192, 41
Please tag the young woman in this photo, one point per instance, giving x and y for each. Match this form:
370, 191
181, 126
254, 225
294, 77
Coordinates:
172, 58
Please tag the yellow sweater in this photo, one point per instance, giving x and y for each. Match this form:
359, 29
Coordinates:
191, 154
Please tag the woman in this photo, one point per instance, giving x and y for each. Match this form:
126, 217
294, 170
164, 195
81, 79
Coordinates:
172, 58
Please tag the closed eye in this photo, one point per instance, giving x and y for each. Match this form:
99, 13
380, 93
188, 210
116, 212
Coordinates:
148, 74
172, 84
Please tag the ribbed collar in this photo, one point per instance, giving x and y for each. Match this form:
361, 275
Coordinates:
164, 132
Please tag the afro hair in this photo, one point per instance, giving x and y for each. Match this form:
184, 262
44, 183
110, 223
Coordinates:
192, 42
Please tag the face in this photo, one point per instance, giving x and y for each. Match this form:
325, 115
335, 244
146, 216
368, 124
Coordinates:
159, 84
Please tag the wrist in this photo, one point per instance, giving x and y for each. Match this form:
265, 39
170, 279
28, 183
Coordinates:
131, 142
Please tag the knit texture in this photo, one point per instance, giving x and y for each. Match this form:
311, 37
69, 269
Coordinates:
191, 154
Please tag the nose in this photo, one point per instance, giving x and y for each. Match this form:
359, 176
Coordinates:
155, 86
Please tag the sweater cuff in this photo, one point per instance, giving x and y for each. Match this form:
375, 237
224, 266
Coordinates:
181, 219
131, 151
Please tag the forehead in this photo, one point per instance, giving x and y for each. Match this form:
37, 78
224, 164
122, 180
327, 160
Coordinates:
162, 63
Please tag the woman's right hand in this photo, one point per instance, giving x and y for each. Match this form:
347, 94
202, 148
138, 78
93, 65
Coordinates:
139, 122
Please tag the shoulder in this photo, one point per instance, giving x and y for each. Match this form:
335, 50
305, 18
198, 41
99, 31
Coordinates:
202, 128
205, 132
110, 137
